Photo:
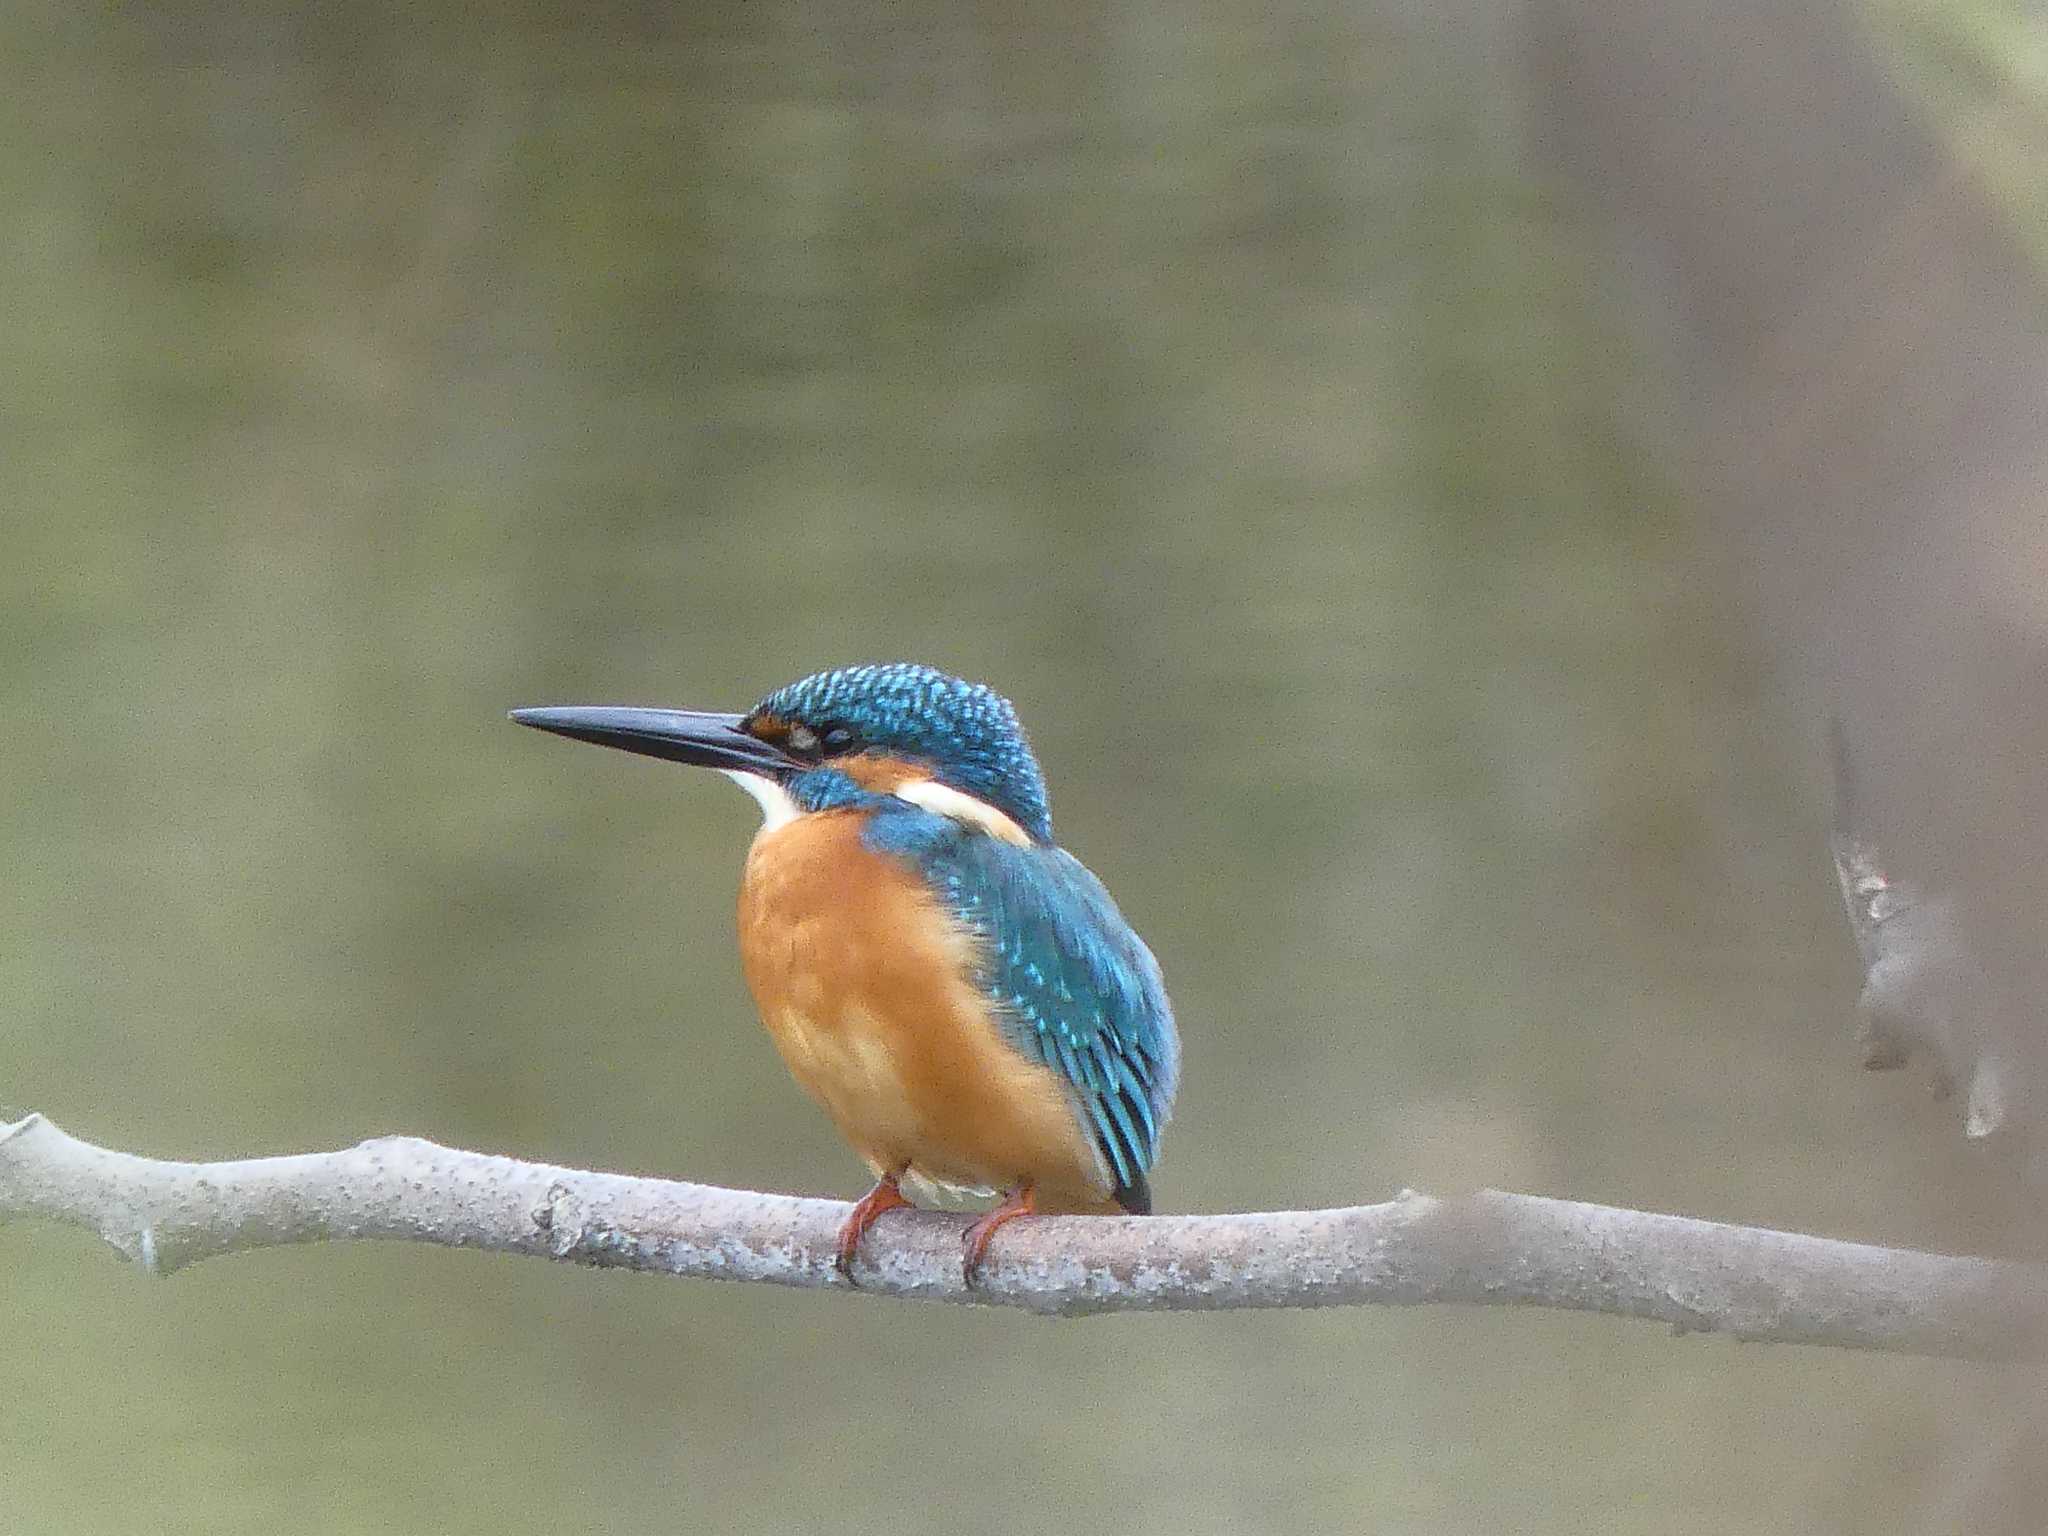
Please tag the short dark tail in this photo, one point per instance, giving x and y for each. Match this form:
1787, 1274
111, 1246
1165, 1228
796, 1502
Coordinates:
1134, 1195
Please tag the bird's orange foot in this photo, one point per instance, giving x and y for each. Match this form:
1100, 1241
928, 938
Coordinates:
977, 1237
887, 1195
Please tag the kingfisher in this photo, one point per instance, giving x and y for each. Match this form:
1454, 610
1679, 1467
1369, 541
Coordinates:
956, 991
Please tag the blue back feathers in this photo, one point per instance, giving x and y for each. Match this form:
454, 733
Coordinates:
967, 733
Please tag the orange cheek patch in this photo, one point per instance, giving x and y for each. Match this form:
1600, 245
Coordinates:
881, 774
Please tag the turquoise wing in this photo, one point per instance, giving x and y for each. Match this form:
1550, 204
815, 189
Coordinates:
1074, 986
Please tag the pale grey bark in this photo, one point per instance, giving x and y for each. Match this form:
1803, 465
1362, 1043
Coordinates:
1480, 1249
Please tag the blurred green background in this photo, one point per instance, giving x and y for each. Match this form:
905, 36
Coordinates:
1225, 387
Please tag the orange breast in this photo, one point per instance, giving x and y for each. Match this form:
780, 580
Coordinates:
865, 985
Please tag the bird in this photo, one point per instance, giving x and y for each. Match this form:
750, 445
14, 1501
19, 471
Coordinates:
960, 994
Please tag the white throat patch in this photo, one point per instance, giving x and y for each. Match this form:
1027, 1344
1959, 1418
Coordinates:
777, 809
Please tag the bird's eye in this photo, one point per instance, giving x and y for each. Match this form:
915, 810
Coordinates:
838, 739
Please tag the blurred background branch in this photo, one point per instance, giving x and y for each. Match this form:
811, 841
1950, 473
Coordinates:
1923, 988
1853, 364
1489, 1248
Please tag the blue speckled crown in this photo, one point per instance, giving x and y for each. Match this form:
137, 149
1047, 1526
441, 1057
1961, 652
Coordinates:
966, 732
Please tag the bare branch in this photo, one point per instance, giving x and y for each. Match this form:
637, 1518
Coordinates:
1484, 1249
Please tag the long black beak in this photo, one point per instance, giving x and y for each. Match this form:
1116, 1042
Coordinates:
697, 737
